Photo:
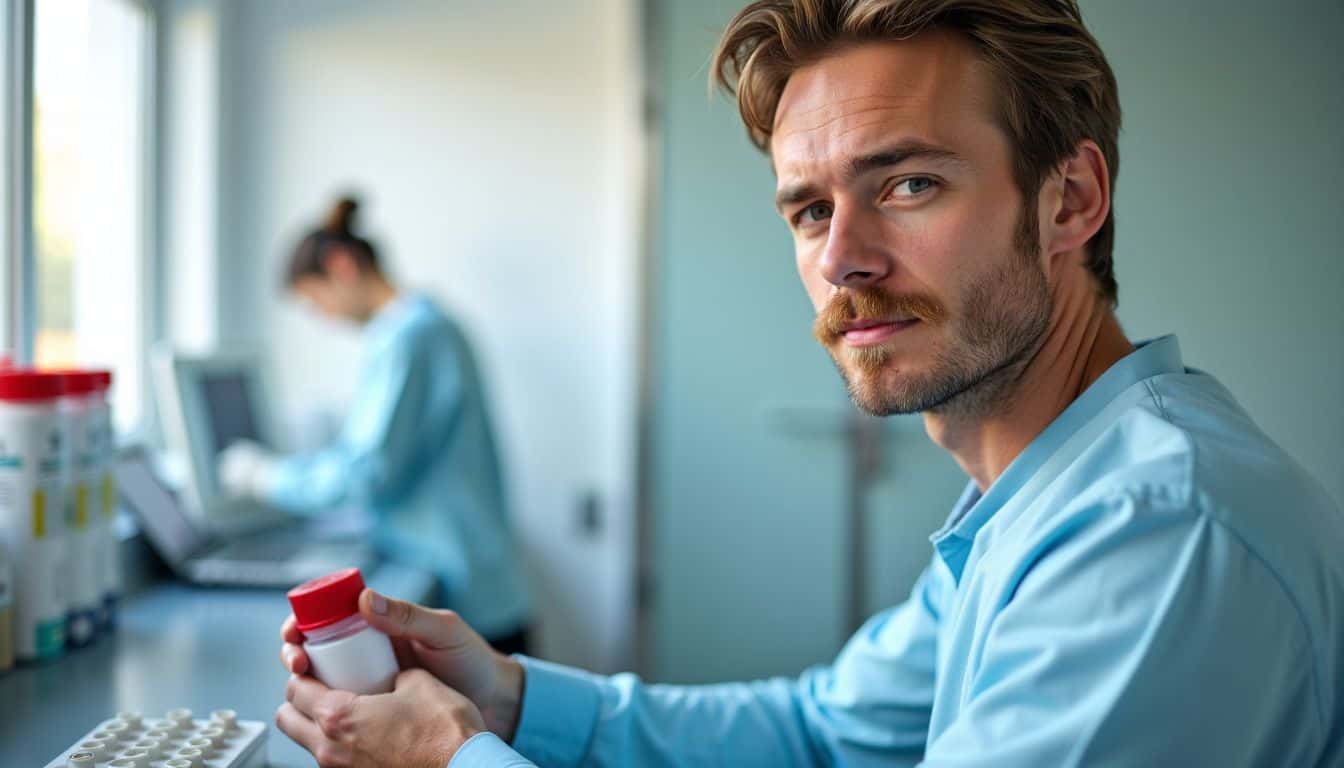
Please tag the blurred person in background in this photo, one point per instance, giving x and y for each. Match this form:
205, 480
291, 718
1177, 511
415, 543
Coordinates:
416, 449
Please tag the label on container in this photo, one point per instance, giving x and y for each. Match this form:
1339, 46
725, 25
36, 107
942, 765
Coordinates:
77, 508
48, 638
109, 506
6, 636
6, 611
39, 514
34, 480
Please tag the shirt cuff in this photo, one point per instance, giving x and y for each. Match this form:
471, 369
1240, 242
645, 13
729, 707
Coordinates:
560, 709
486, 750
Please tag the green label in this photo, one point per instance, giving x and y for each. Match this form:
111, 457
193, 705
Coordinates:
49, 638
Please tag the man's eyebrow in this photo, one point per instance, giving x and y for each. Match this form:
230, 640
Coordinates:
858, 166
900, 153
794, 194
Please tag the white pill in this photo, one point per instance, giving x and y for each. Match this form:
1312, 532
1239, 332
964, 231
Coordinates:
82, 760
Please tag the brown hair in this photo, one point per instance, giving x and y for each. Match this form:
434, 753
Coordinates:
1057, 88
309, 256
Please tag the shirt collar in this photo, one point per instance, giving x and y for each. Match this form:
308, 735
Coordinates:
974, 509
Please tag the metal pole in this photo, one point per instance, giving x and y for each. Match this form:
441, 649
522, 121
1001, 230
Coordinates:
866, 454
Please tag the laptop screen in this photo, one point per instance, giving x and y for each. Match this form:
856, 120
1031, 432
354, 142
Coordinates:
158, 510
230, 407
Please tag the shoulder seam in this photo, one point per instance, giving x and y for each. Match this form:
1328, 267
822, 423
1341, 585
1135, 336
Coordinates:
1157, 399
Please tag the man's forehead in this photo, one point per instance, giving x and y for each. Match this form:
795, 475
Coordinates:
922, 87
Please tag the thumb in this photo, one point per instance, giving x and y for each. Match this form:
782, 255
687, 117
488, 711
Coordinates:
438, 630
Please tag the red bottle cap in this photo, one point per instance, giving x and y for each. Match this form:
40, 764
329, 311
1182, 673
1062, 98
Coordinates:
327, 599
78, 383
21, 385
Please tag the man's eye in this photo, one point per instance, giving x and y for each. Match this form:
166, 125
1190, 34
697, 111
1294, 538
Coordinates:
814, 213
913, 186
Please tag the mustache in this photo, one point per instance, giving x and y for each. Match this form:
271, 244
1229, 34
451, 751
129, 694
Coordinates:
848, 305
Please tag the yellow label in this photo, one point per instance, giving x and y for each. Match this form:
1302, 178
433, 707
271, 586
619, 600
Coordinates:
109, 495
39, 514
81, 506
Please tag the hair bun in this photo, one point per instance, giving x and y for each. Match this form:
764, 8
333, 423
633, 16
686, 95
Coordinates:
341, 217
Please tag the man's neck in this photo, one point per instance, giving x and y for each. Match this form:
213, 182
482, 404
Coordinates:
1083, 341
381, 293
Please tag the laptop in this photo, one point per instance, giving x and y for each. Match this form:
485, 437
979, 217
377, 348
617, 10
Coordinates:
276, 556
207, 403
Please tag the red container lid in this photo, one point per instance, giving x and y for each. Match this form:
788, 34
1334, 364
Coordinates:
327, 599
78, 382
28, 386
86, 382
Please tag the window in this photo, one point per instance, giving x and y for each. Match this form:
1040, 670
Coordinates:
10, 229
90, 112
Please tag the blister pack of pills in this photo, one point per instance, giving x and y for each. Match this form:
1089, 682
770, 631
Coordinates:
175, 740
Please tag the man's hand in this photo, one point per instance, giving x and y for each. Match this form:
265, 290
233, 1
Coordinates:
440, 643
245, 470
420, 724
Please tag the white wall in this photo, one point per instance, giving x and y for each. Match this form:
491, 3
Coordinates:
496, 148
1228, 202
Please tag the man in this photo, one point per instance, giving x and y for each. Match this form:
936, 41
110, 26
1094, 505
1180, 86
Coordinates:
1135, 574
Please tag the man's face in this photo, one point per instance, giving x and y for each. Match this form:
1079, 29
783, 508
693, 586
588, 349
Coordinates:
334, 299
897, 184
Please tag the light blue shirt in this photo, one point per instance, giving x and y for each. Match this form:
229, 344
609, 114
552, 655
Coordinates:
417, 451
1152, 582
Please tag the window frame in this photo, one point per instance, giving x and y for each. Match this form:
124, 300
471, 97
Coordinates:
18, 277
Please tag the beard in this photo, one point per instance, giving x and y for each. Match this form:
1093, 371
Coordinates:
1004, 316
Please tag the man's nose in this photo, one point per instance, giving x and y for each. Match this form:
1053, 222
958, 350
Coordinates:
854, 256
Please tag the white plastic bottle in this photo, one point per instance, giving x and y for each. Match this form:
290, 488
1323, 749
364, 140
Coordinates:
84, 541
33, 467
101, 446
6, 611
343, 650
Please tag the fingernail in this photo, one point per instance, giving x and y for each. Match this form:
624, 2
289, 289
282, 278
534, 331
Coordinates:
379, 604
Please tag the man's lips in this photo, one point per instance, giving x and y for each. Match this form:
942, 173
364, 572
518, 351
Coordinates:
865, 333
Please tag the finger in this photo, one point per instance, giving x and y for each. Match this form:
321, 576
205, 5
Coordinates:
289, 631
406, 657
312, 698
299, 728
294, 658
438, 630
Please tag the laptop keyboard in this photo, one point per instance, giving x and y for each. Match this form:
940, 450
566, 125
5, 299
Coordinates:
273, 549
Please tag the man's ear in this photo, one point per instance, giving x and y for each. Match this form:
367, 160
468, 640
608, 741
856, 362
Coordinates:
1078, 201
